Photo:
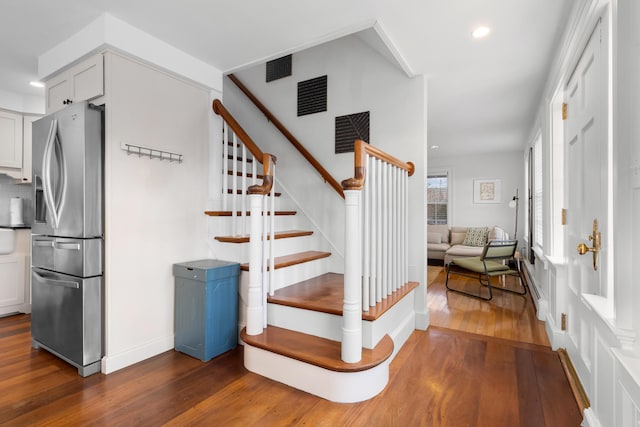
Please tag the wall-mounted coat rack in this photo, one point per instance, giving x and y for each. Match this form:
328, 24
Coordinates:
151, 153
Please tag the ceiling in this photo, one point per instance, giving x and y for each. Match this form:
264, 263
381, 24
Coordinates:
482, 94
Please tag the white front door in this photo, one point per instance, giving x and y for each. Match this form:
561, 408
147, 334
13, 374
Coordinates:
586, 156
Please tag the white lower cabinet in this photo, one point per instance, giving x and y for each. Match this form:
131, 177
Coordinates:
12, 270
15, 276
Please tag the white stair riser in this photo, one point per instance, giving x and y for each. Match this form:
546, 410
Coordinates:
310, 322
342, 387
284, 277
239, 252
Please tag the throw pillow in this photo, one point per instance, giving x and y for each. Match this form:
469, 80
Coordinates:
476, 236
497, 233
433, 237
457, 238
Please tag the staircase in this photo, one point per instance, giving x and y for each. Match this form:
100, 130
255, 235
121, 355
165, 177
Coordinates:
292, 304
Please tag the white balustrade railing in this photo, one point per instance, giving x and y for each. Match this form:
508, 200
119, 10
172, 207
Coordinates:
239, 150
376, 244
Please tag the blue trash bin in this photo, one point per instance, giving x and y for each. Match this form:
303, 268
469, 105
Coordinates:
206, 307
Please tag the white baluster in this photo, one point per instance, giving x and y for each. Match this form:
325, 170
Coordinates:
234, 186
352, 306
406, 227
254, 172
403, 228
254, 299
385, 230
265, 256
366, 194
380, 215
273, 233
225, 165
372, 181
393, 230
389, 265
243, 198
398, 207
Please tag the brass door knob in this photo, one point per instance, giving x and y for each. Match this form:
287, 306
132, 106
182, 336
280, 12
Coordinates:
583, 249
595, 238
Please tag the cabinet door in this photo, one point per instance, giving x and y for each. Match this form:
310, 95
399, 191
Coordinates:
12, 283
57, 92
87, 79
26, 148
10, 140
83, 81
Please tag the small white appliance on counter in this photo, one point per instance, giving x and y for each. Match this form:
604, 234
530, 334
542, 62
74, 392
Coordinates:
15, 211
67, 236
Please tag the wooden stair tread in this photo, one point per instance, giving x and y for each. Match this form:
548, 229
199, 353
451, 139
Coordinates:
239, 192
293, 259
230, 157
325, 294
315, 350
248, 213
278, 235
248, 174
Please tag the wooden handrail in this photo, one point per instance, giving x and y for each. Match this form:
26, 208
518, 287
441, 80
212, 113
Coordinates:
292, 139
219, 109
267, 160
360, 150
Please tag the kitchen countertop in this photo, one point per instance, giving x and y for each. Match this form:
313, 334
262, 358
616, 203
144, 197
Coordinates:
16, 227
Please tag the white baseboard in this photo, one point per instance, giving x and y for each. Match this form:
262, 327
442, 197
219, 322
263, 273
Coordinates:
114, 362
556, 335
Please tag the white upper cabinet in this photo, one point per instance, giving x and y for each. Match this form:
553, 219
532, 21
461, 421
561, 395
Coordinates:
83, 81
15, 145
27, 148
10, 140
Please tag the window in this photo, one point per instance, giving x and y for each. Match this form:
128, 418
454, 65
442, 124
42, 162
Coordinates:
438, 198
537, 192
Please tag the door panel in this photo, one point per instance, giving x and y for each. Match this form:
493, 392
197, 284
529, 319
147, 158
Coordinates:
586, 198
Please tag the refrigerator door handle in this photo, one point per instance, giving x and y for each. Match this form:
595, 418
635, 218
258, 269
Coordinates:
67, 246
56, 282
54, 197
43, 243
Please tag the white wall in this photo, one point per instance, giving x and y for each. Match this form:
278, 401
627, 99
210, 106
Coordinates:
359, 79
153, 209
507, 167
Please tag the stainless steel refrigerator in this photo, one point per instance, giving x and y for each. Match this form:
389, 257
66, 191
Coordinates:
67, 236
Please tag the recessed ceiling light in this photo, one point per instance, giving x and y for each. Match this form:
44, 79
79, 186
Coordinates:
480, 32
36, 84
435, 147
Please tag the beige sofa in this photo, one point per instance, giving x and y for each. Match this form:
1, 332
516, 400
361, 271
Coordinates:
446, 244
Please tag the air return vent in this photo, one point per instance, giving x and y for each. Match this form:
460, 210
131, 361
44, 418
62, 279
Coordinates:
349, 128
279, 68
312, 96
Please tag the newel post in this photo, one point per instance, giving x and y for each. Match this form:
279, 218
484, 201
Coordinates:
352, 308
254, 298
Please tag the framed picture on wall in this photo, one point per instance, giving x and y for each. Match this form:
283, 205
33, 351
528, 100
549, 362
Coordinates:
487, 191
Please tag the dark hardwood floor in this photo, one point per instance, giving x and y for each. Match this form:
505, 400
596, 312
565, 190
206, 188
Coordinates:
441, 377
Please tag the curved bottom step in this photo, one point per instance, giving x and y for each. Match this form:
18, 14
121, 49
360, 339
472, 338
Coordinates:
313, 364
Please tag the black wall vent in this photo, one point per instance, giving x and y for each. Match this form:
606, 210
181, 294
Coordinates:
279, 68
349, 128
312, 96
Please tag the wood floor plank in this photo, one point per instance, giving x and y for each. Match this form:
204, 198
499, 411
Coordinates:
441, 377
559, 408
529, 400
